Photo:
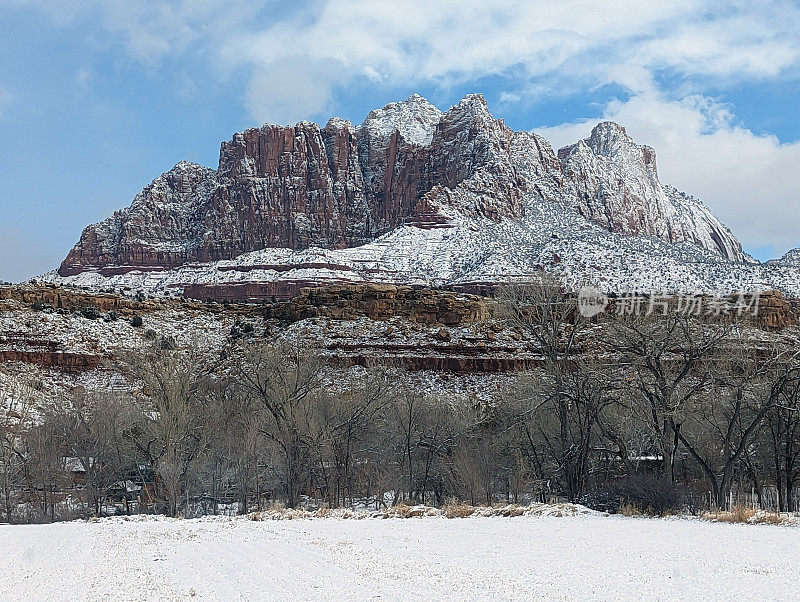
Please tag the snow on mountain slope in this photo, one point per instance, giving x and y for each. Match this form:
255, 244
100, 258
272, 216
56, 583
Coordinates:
162, 223
415, 119
614, 182
478, 250
790, 258
414, 195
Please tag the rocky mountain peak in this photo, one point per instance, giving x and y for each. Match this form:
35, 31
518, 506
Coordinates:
471, 113
473, 103
610, 140
790, 258
408, 163
338, 123
613, 181
607, 137
415, 118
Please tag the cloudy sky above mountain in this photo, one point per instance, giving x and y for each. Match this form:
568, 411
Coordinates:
97, 97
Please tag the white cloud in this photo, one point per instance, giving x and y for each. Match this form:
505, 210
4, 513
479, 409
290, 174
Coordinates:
289, 91
83, 78
571, 43
748, 180
149, 30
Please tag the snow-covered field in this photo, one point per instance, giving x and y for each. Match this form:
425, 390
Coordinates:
576, 557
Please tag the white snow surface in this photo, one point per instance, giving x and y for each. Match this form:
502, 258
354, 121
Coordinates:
584, 557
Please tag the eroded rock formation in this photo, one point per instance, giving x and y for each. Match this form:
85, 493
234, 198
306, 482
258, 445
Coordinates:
342, 186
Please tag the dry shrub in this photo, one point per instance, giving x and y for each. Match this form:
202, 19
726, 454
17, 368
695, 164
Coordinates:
745, 514
277, 511
737, 514
403, 510
504, 510
452, 509
768, 518
400, 510
456, 509
628, 509
510, 510
651, 494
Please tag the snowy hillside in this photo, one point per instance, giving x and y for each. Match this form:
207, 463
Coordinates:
478, 250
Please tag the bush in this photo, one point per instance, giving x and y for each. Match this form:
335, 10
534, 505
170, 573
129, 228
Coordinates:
636, 494
136, 321
455, 509
508, 510
405, 510
90, 313
745, 514
602, 501
653, 494
42, 306
628, 509
738, 514
168, 343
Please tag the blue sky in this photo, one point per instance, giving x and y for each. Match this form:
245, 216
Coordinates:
99, 97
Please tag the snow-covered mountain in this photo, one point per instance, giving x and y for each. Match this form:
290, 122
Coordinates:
415, 195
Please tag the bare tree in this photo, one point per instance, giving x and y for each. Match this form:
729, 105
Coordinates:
45, 468
717, 428
171, 428
558, 407
284, 380
93, 423
559, 433
784, 434
347, 421
660, 357
16, 414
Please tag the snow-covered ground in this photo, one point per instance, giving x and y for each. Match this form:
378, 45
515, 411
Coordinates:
544, 557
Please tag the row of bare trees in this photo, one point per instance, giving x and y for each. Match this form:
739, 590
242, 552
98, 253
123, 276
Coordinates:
636, 407
714, 400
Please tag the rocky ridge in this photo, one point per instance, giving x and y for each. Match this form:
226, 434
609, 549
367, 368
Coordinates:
614, 182
446, 341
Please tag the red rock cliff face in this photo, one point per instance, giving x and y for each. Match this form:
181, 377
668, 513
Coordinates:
158, 230
290, 187
301, 186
